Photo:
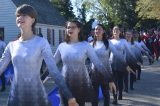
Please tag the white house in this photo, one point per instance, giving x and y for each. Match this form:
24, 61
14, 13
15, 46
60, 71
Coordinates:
50, 23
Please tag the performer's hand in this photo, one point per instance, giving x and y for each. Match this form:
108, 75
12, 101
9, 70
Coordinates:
72, 102
0, 73
130, 70
112, 86
139, 63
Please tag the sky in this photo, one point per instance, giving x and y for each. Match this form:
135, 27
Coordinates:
74, 4
79, 4
75, 11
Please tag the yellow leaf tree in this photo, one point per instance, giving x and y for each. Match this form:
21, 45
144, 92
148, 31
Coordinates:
148, 9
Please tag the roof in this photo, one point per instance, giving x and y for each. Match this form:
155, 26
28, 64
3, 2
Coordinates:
47, 13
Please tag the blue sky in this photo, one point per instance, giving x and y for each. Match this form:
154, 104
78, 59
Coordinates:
74, 4
79, 4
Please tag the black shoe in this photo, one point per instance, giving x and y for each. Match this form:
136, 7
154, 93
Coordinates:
114, 102
132, 88
119, 97
114, 99
138, 78
2, 90
126, 90
151, 62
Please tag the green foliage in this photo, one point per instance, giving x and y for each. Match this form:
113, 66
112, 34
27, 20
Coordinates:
87, 27
82, 14
119, 12
148, 9
65, 8
148, 24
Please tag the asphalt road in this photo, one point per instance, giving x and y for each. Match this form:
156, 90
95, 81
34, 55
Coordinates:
147, 90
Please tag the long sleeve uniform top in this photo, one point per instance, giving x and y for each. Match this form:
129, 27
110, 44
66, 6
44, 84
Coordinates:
143, 46
103, 53
136, 52
26, 56
144, 50
122, 47
73, 57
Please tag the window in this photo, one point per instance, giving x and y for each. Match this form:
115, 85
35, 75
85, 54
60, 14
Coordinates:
60, 36
63, 34
53, 37
2, 33
38, 31
49, 35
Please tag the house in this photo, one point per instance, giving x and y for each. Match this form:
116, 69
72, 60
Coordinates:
50, 23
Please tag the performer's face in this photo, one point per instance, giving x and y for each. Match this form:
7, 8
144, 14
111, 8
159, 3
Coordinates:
24, 21
72, 30
99, 32
116, 32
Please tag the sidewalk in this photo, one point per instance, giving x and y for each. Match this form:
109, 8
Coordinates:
147, 90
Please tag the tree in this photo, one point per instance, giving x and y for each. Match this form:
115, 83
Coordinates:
88, 27
148, 24
99, 9
148, 9
119, 12
65, 8
82, 14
